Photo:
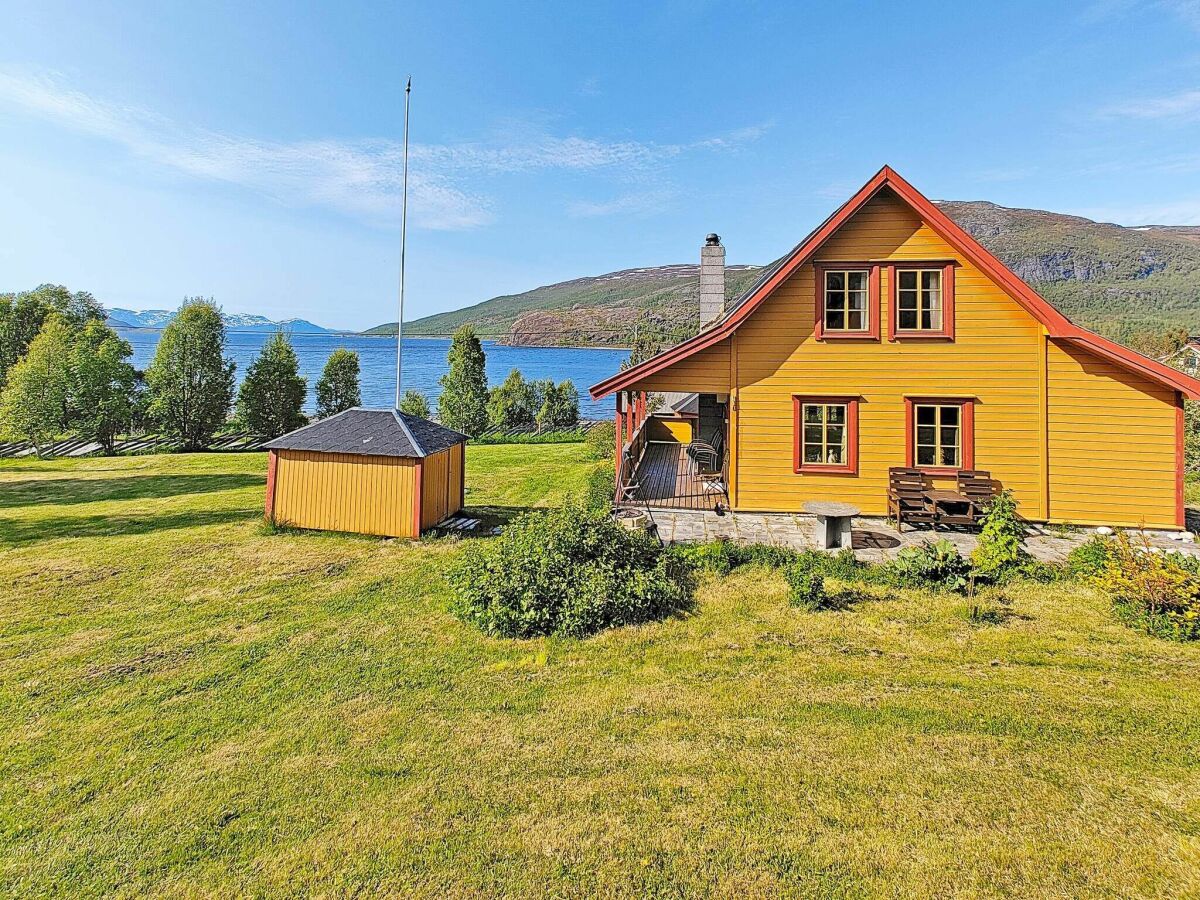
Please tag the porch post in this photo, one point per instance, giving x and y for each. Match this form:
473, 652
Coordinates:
620, 429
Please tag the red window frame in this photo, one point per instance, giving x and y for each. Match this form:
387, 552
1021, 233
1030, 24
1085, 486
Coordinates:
966, 433
946, 332
850, 467
871, 332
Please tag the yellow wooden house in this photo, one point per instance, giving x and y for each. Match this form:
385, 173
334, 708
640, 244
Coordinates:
889, 337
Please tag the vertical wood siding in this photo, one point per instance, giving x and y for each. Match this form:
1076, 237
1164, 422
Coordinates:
1112, 439
345, 492
441, 485
995, 358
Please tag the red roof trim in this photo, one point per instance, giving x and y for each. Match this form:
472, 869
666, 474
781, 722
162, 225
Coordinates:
1057, 325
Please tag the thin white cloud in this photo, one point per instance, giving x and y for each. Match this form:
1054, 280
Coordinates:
356, 178
1102, 11
628, 204
1183, 105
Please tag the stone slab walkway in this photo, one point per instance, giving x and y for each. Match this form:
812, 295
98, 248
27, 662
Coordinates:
875, 540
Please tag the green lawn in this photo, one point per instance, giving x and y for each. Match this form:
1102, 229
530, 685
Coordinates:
190, 706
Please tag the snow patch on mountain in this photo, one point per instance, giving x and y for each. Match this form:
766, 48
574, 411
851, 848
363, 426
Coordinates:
161, 318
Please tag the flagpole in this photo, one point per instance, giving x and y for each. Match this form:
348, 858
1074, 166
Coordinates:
403, 245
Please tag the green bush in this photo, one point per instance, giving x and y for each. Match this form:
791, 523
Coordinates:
601, 440
601, 487
769, 556
1090, 558
1155, 591
1001, 540
806, 585
717, 557
933, 564
721, 557
570, 572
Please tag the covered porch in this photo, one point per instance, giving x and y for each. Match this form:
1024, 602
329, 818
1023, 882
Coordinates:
671, 450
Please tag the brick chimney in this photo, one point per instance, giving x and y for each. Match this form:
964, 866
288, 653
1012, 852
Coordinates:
712, 279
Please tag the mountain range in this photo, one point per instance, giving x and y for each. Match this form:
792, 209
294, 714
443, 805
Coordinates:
161, 318
1134, 285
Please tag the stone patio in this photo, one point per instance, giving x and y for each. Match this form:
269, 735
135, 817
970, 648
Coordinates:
875, 540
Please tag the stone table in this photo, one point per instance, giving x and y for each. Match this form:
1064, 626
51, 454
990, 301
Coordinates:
833, 522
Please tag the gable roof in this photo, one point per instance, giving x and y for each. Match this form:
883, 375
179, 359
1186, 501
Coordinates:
370, 432
1057, 325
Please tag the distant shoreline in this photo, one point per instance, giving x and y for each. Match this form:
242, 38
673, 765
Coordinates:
497, 340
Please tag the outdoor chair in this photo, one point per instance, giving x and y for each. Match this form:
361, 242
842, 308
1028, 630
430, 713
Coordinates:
906, 498
706, 454
978, 487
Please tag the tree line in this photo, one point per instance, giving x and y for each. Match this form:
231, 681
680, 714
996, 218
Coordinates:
468, 405
64, 371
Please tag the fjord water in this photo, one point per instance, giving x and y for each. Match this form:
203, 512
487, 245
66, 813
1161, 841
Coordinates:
424, 363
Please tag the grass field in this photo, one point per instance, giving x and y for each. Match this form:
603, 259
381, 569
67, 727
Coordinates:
192, 707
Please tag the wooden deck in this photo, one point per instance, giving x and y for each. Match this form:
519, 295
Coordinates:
668, 478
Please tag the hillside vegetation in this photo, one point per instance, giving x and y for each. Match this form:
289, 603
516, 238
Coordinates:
1136, 285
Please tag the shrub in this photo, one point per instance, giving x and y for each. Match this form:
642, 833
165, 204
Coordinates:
569, 572
1001, 539
933, 564
717, 557
601, 440
769, 556
1152, 590
601, 487
805, 587
1091, 557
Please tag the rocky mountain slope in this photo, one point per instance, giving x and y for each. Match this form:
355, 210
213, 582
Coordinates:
1131, 284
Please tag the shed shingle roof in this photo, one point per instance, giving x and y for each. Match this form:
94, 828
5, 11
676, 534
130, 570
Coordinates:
370, 432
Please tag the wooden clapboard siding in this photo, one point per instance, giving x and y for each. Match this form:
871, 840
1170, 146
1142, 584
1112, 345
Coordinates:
706, 371
994, 358
677, 431
346, 492
441, 485
1112, 438
1053, 403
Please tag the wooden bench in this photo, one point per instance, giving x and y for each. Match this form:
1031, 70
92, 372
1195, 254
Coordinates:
906, 498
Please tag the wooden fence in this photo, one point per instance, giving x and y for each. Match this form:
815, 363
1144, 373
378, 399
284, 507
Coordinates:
222, 443
75, 447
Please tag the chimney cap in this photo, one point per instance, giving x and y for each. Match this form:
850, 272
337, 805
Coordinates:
713, 239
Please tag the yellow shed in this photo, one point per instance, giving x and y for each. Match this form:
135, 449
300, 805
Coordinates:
370, 471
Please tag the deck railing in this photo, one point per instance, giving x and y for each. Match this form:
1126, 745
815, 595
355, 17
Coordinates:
631, 455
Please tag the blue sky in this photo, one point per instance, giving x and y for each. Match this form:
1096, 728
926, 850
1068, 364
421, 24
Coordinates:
250, 151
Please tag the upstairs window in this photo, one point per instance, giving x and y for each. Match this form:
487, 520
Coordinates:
826, 434
922, 304
847, 301
919, 301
